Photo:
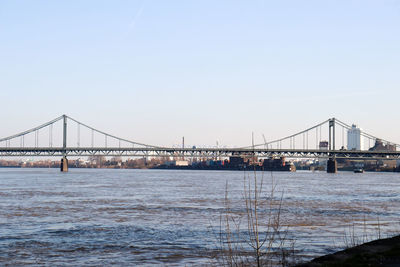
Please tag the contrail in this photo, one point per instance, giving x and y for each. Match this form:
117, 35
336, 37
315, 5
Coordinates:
136, 18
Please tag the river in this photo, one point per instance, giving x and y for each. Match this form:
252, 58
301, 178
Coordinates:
168, 217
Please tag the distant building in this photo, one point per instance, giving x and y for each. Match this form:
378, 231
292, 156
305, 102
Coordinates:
177, 163
354, 139
182, 163
382, 147
323, 145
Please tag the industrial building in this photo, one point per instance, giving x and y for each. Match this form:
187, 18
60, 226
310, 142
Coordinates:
355, 139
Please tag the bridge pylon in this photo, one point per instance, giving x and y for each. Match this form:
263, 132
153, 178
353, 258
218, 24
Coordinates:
332, 136
64, 164
64, 160
332, 163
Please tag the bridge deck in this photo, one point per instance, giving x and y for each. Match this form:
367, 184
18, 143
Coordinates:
195, 152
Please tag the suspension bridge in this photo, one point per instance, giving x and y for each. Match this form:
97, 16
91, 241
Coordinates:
66, 137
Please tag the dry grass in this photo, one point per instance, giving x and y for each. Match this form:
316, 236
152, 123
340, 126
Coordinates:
353, 237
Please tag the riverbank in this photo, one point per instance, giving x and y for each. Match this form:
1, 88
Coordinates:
381, 252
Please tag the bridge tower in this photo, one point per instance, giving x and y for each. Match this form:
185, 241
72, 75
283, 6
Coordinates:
64, 160
332, 163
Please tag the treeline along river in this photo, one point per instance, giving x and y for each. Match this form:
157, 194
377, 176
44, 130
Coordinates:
149, 217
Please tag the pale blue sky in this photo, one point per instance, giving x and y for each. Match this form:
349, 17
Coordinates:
153, 71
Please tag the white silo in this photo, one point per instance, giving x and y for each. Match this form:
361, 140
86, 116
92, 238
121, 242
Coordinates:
354, 138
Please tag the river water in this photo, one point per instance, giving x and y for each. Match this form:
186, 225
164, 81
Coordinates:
168, 217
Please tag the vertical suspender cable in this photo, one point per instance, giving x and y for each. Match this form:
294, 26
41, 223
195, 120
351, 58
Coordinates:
79, 134
307, 139
342, 136
320, 133
51, 137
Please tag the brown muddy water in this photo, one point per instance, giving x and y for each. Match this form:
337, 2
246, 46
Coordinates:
169, 217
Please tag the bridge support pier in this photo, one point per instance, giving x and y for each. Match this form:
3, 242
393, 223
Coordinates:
64, 164
331, 166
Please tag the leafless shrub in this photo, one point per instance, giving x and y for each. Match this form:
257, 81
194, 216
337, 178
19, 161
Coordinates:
253, 235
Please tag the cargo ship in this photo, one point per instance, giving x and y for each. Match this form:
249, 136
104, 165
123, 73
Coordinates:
234, 163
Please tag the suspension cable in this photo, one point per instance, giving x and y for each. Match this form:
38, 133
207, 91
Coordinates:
112, 136
31, 130
290, 136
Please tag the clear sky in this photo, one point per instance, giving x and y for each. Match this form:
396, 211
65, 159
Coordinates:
154, 71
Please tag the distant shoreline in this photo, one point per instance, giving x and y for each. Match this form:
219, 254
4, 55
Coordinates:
185, 168
216, 168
